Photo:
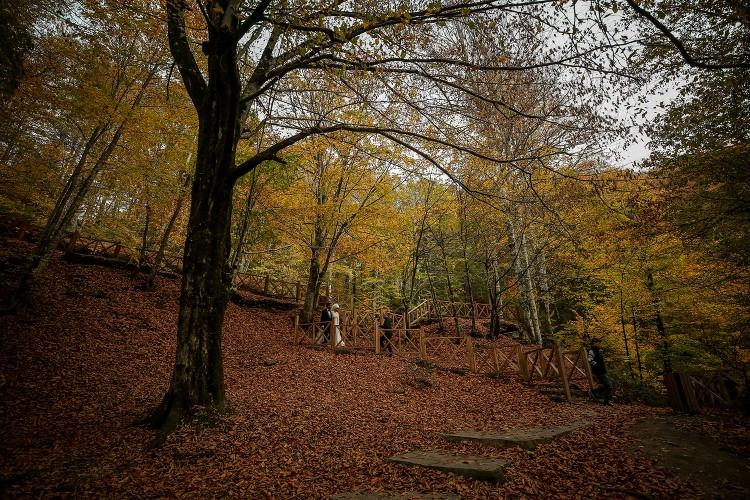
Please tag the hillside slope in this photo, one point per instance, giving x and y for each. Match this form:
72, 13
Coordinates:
96, 354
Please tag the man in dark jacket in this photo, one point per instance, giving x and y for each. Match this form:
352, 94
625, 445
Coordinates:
599, 370
326, 316
386, 330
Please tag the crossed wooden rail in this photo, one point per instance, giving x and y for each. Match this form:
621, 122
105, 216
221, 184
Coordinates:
443, 308
690, 391
528, 364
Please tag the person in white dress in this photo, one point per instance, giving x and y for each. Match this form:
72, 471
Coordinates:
338, 341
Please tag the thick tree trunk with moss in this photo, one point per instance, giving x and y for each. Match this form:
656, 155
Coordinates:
312, 292
198, 376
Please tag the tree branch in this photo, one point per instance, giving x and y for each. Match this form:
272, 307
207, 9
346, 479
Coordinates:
183, 55
690, 60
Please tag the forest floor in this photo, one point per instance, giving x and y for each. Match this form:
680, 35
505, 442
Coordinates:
96, 354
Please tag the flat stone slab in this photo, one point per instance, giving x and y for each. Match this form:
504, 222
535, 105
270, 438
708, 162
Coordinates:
465, 465
409, 495
525, 438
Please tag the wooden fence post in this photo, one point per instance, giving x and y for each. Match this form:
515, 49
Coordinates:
72, 240
331, 334
296, 329
523, 365
265, 285
422, 345
377, 337
297, 292
587, 368
563, 372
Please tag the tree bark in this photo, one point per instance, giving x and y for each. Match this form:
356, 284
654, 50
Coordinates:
244, 224
156, 265
198, 377
467, 276
312, 292
144, 242
660, 328
624, 333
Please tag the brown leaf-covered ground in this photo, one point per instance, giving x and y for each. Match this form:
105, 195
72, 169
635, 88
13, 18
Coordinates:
96, 354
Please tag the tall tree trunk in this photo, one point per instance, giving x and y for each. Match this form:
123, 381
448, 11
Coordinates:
66, 207
433, 293
156, 264
637, 347
467, 276
144, 242
660, 328
68, 203
530, 288
544, 286
244, 224
312, 292
521, 282
451, 296
198, 376
624, 333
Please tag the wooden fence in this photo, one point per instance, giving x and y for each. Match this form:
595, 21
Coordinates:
429, 309
691, 391
530, 364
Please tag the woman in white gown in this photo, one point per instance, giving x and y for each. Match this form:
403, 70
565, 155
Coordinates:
336, 326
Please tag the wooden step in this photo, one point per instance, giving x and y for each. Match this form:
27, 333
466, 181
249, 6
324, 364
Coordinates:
409, 495
525, 438
464, 465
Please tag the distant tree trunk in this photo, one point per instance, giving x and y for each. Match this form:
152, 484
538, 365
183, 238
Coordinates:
244, 224
637, 348
451, 297
492, 288
523, 283
156, 265
624, 333
467, 276
433, 294
544, 286
530, 288
312, 292
68, 203
144, 242
665, 350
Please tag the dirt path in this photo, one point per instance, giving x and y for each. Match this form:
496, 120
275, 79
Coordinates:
688, 447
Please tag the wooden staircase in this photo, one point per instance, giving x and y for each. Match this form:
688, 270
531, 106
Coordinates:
429, 309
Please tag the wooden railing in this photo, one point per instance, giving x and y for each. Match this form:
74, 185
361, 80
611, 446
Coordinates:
444, 308
690, 391
420, 312
361, 330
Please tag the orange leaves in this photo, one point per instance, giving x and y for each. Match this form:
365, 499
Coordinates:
312, 425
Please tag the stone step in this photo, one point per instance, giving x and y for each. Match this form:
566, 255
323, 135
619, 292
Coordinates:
409, 495
465, 465
525, 438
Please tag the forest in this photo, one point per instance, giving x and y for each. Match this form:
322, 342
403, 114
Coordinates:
185, 184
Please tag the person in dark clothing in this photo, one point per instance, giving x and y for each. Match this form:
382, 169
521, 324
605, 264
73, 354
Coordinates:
326, 317
386, 330
599, 370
